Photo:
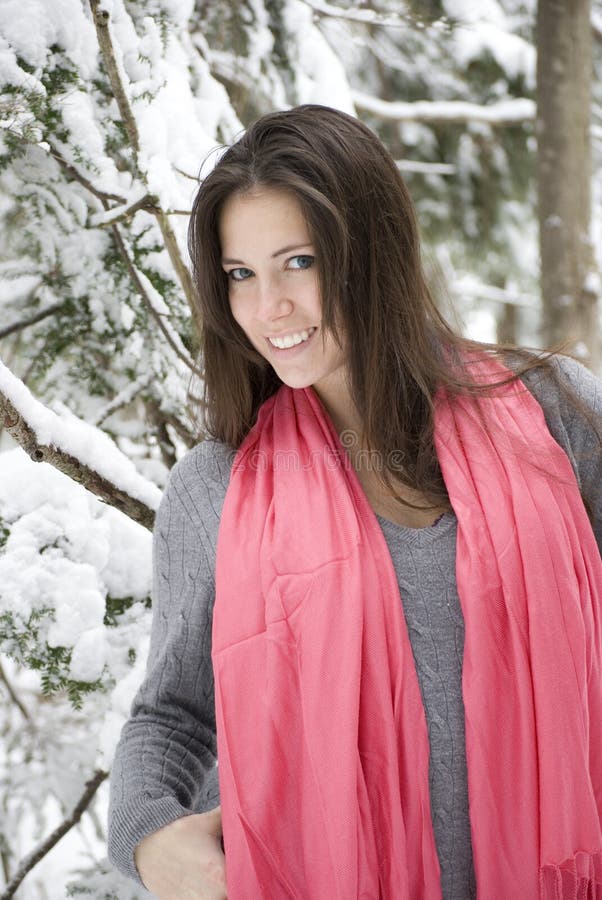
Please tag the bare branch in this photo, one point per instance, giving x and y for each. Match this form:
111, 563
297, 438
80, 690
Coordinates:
28, 863
157, 419
175, 256
25, 323
12, 694
101, 22
506, 112
24, 435
187, 175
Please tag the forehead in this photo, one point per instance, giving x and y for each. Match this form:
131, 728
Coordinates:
261, 215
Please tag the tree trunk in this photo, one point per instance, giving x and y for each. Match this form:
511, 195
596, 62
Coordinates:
564, 72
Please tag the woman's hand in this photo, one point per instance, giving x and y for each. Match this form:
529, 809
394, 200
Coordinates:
184, 860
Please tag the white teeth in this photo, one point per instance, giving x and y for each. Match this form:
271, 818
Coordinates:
291, 340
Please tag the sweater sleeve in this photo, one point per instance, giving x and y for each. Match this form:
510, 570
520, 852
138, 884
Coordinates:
165, 761
576, 426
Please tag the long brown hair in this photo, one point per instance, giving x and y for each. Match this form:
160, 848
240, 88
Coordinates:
363, 225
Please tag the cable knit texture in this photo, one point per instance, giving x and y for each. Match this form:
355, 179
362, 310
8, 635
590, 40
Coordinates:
164, 763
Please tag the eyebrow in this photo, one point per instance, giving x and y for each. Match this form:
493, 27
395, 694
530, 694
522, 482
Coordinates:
287, 249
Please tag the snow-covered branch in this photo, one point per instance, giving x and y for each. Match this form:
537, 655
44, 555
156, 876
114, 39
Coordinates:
425, 168
74, 173
506, 112
123, 398
77, 449
28, 863
115, 214
101, 17
372, 16
470, 286
155, 304
101, 21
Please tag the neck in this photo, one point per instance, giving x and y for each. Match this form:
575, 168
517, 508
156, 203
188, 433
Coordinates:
336, 399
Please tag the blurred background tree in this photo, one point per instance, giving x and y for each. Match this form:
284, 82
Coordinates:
111, 110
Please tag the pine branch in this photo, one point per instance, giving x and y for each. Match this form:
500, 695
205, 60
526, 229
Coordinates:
23, 433
32, 859
507, 112
25, 323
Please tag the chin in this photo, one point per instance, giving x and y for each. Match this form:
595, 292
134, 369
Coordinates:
296, 382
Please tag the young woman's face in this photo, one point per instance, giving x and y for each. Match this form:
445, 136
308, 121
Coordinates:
274, 293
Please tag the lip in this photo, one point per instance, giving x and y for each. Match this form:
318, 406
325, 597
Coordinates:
291, 351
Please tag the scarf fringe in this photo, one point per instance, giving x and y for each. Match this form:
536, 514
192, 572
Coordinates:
579, 878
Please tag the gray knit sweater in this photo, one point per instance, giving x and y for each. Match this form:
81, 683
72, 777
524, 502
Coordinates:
165, 761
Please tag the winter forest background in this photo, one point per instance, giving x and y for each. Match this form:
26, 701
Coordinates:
110, 110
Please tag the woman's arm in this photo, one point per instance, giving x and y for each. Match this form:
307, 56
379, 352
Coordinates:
576, 426
164, 765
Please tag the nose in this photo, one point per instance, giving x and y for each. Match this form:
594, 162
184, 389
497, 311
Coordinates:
272, 299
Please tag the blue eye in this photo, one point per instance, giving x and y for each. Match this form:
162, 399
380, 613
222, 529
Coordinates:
240, 274
301, 262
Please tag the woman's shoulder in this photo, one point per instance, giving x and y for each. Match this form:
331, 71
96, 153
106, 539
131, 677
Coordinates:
209, 462
570, 396
565, 389
197, 483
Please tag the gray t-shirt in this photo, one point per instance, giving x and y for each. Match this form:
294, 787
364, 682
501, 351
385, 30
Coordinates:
164, 765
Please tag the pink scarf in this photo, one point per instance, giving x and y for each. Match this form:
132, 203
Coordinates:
322, 740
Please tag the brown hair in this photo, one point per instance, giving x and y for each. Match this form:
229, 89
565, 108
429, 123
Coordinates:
363, 225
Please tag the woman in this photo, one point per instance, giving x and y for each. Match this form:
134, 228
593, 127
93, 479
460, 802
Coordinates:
406, 637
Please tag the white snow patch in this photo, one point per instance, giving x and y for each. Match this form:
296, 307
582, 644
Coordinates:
31, 27
91, 446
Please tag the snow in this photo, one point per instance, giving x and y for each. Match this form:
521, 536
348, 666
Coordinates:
62, 23
91, 446
503, 112
66, 550
321, 77
482, 26
69, 552
593, 283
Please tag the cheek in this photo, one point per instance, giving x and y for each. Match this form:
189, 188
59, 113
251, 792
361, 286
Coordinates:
236, 308
241, 317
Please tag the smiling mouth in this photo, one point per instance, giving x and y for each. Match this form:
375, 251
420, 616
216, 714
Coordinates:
292, 340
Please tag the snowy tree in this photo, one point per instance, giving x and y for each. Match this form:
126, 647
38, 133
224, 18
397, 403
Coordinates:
570, 284
111, 110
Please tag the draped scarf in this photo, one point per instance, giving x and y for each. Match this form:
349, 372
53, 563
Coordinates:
322, 739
